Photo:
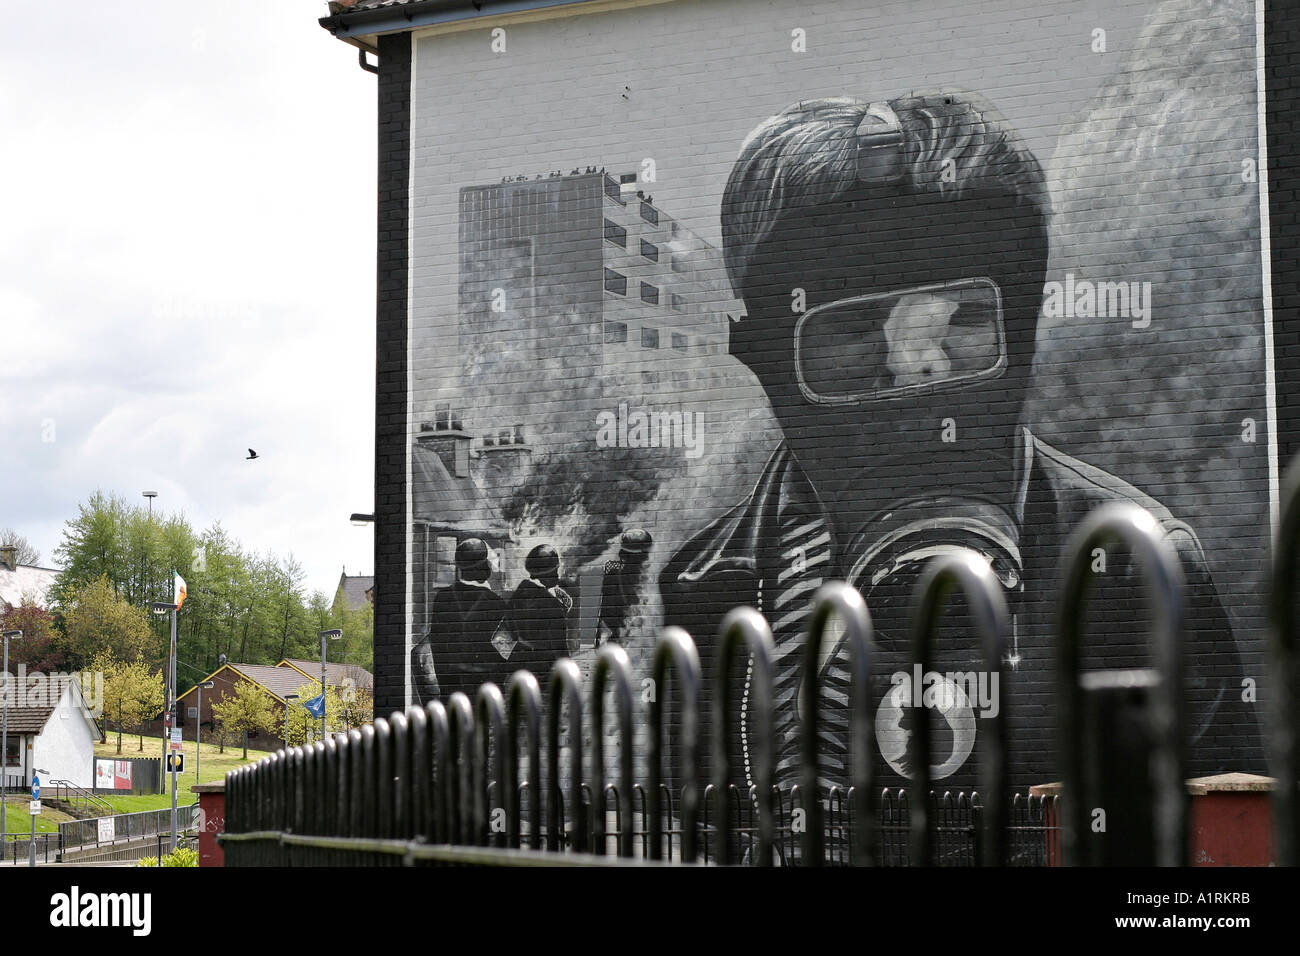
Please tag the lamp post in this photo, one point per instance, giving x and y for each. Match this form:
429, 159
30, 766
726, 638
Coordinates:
287, 698
198, 727
162, 607
4, 739
151, 495
333, 634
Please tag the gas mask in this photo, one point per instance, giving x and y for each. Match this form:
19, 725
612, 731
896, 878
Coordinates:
883, 355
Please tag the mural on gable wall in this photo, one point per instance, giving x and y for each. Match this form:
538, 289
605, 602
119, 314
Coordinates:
893, 327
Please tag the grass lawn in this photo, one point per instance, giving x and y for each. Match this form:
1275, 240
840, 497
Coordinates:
18, 820
212, 766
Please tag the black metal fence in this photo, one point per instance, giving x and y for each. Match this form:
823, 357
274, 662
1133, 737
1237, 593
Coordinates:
443, 783
16, 848
75, 834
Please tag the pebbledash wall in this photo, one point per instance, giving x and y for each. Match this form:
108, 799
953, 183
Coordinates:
723, 300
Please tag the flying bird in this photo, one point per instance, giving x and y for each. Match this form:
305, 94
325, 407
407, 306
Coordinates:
251, 455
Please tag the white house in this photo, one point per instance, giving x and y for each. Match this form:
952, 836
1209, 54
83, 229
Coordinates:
23, 581
51, 730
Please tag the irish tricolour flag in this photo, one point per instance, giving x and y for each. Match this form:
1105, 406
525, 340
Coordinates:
180, 590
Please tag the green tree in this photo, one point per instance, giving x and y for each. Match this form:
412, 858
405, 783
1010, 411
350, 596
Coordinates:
248, 709
250, 607
133, 693
302, 725
93, 545
357, 706
99, 621
40, 647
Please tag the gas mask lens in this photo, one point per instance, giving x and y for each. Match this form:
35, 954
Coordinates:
891, 344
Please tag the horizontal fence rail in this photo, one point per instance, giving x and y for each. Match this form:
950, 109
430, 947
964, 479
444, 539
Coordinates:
501, 779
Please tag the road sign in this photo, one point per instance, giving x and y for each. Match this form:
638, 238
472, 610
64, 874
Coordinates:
36, 787
34, 808
176, 762
176, 735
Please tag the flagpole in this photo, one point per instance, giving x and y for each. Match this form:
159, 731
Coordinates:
171, 705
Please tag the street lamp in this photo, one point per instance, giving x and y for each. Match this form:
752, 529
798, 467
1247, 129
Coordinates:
4, 738
287, 698
198, 727
333, 634
162, 607
360, 519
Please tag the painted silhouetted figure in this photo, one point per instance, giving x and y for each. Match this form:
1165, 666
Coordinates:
457, 653
620, 589
537, 617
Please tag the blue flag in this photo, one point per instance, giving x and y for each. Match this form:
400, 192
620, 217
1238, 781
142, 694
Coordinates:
316, 706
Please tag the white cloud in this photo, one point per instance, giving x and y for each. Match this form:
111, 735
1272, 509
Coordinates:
188, 271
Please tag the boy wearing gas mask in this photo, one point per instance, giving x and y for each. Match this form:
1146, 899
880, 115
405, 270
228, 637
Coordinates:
891, 258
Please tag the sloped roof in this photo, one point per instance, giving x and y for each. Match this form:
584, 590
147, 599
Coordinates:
32, 720
453, 504
354, 588
29, 720
334, 673
351, 6
278, 680
26, 581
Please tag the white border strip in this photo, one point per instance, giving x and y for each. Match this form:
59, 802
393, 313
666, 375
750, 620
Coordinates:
408, 529
1266, 274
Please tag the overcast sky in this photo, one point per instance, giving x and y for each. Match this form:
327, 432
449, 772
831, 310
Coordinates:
187, 270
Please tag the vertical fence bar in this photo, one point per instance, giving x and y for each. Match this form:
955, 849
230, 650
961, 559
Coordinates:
460, 722
744, 628
525, 703
837, 598
382, 785
1136, 528
988, 609
612, 663
401, 822
441, 793
675, 647
566, 687
1284, 650
491, 721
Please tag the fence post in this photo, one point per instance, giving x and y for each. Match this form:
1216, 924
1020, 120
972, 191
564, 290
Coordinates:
491, 719
675, 647
744, 627
525, 699
1284, 650
1164, 583
988, 610
612, 662
837, 598
566, 680
460, 721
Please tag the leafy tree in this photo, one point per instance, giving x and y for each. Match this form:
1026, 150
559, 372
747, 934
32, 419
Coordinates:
92, 546
302, 725
221, 735
27, 553
99, 621
358, 707
251, 607
249, 708
133, 693
39, 649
